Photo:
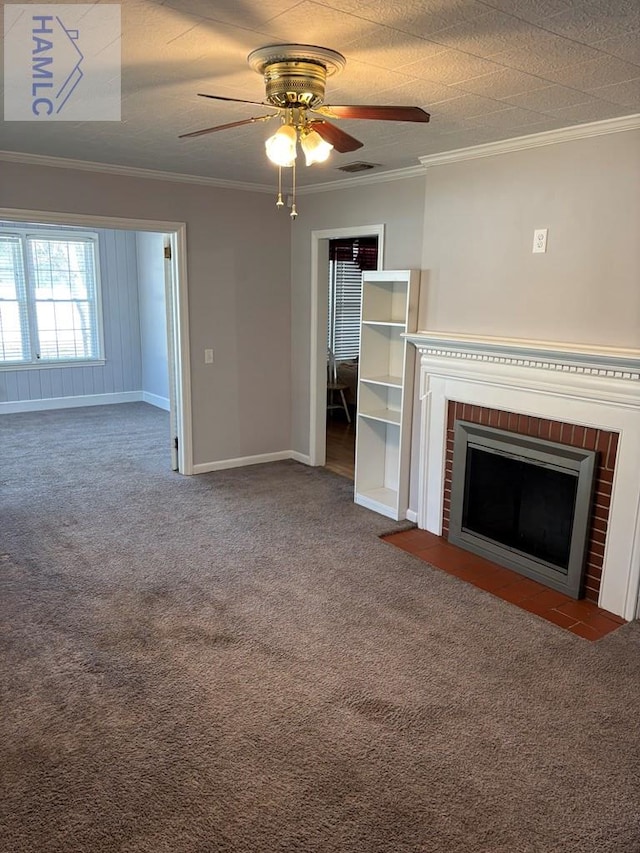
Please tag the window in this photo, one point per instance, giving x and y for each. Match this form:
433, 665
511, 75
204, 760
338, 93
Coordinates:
345, 296
347, 260
49, 298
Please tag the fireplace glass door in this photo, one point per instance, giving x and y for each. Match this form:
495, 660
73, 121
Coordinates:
522, 502
521, 505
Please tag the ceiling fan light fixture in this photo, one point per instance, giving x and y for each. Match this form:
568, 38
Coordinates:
294, 76
281, 147
315, 148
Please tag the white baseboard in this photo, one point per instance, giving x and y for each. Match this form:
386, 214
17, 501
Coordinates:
300, 457
155, 400
412, 515
241, 461
14, 407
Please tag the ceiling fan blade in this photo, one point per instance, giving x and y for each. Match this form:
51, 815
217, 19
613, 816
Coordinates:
235, 100
340, 140
385, 113
225, 126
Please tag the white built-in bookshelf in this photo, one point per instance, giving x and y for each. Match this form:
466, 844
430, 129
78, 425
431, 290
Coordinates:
385, 390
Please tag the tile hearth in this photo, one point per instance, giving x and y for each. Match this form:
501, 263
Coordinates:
582, 617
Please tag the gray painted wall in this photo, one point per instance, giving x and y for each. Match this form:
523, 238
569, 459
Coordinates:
476, 221
470, 226
238, 251
122, 371
479, 221
153, 315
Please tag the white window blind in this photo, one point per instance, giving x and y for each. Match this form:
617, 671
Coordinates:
345, 298
347, 259
49, 299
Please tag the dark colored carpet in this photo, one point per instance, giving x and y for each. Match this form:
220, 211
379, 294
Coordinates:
235, 662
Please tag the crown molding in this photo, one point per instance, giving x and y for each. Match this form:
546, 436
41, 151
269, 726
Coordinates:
489, 149
375, 178
128, 171
177, 177
534, 140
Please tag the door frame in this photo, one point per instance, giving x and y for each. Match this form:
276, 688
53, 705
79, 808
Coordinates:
169, 251
318, 331
177, 306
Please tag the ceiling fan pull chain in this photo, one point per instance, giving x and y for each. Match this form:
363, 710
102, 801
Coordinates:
279, 201
294, 211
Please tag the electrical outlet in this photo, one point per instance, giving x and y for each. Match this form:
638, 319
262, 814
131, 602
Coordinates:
208, 356
540, 240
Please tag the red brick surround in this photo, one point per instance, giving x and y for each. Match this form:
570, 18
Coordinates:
602, 441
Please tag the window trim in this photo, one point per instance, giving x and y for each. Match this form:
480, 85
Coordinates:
24, 234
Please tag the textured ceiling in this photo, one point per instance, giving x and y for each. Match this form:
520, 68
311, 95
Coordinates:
485, 71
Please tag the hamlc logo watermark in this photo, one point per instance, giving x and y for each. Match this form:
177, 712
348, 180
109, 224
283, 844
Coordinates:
62, 62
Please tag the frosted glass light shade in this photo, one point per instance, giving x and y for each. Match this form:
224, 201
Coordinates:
281, 147
316, 149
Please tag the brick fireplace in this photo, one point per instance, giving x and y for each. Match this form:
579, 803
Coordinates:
578, 397
604, 442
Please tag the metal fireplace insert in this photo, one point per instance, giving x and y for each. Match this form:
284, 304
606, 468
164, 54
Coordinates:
522, 502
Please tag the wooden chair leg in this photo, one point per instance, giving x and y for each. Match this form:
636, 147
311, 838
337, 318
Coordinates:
346, 408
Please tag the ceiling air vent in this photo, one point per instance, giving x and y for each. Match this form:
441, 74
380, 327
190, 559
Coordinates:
358, 167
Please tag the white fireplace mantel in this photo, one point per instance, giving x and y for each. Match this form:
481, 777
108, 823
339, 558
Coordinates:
596, 387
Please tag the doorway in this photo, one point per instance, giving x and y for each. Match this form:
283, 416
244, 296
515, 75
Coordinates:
349, 258
320, 257
172, 241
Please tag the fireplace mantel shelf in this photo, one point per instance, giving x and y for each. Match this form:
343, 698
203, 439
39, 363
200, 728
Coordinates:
609, 362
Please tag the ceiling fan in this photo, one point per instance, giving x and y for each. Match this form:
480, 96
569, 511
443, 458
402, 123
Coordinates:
295, 76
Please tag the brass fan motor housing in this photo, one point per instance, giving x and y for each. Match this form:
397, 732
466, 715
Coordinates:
295, 74
295, 83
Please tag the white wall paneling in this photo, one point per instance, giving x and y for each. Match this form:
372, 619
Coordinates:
121, 370
153, 312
